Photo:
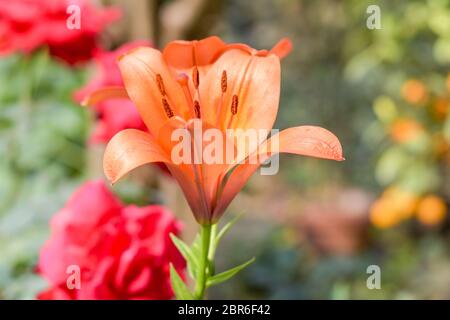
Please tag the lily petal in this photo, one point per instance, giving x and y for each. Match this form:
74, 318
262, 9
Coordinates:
309, 141
184, 55
105, 93
188, 175
128, 150
139, 69
304, 140
255, 80
212, 171
199, 182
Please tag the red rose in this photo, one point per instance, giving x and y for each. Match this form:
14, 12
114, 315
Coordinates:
121, 252
26, 25
116, 114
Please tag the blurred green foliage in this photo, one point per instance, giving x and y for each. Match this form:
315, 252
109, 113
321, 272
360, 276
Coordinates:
43, 134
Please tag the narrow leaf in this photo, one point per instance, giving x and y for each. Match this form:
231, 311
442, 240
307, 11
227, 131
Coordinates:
196, 247
227, 228
187, 253
178, 286
226, 275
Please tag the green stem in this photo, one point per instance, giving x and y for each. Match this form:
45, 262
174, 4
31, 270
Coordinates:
212, 250
212, 244
202, 277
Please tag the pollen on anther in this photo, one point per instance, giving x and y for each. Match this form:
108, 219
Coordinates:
223, 82
159, 81
167, 108
197, 109
195, 77
234, 104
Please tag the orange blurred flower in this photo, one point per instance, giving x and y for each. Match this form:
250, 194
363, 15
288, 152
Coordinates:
404, 202
431, 210
441, 106
414, 92
441, 146
405, 130
382, 214
394, 206
212, 85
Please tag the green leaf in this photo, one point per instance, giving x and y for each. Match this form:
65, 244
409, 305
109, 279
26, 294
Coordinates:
227, 228
179, 287
226, 275
187, 253
196, 246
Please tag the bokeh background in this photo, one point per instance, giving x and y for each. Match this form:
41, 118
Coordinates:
317, 225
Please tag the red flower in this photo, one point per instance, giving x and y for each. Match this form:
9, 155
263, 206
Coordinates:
116, 114
26, 25
121, 252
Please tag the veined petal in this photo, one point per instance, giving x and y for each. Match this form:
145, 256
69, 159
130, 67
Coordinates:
254, 80
211, 147
307, 141
105, 93
304, 140
199, 177
186, 174
144, 72
128, 150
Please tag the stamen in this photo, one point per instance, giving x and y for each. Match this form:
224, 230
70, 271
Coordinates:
159, 81
234, 104
167, 108
195, 77
223, 81
197, 109
183, 80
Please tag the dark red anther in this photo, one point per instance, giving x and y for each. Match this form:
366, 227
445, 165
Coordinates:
234, 104
195, 77
197, 109
159, 81
167, 108
223, 82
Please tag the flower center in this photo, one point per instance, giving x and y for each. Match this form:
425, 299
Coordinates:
194, 102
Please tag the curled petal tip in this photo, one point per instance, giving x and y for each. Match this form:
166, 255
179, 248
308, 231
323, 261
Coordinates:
105, 93
282, 48
129, 149
123, 55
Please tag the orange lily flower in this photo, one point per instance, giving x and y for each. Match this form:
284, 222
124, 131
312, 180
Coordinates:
211, 85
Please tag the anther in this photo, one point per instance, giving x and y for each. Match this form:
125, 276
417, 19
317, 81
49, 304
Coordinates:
160, 83
234, 104
195, 77
197, 109
223, 82
167, 108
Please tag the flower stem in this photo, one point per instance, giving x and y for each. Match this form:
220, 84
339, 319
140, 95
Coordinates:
202, 277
